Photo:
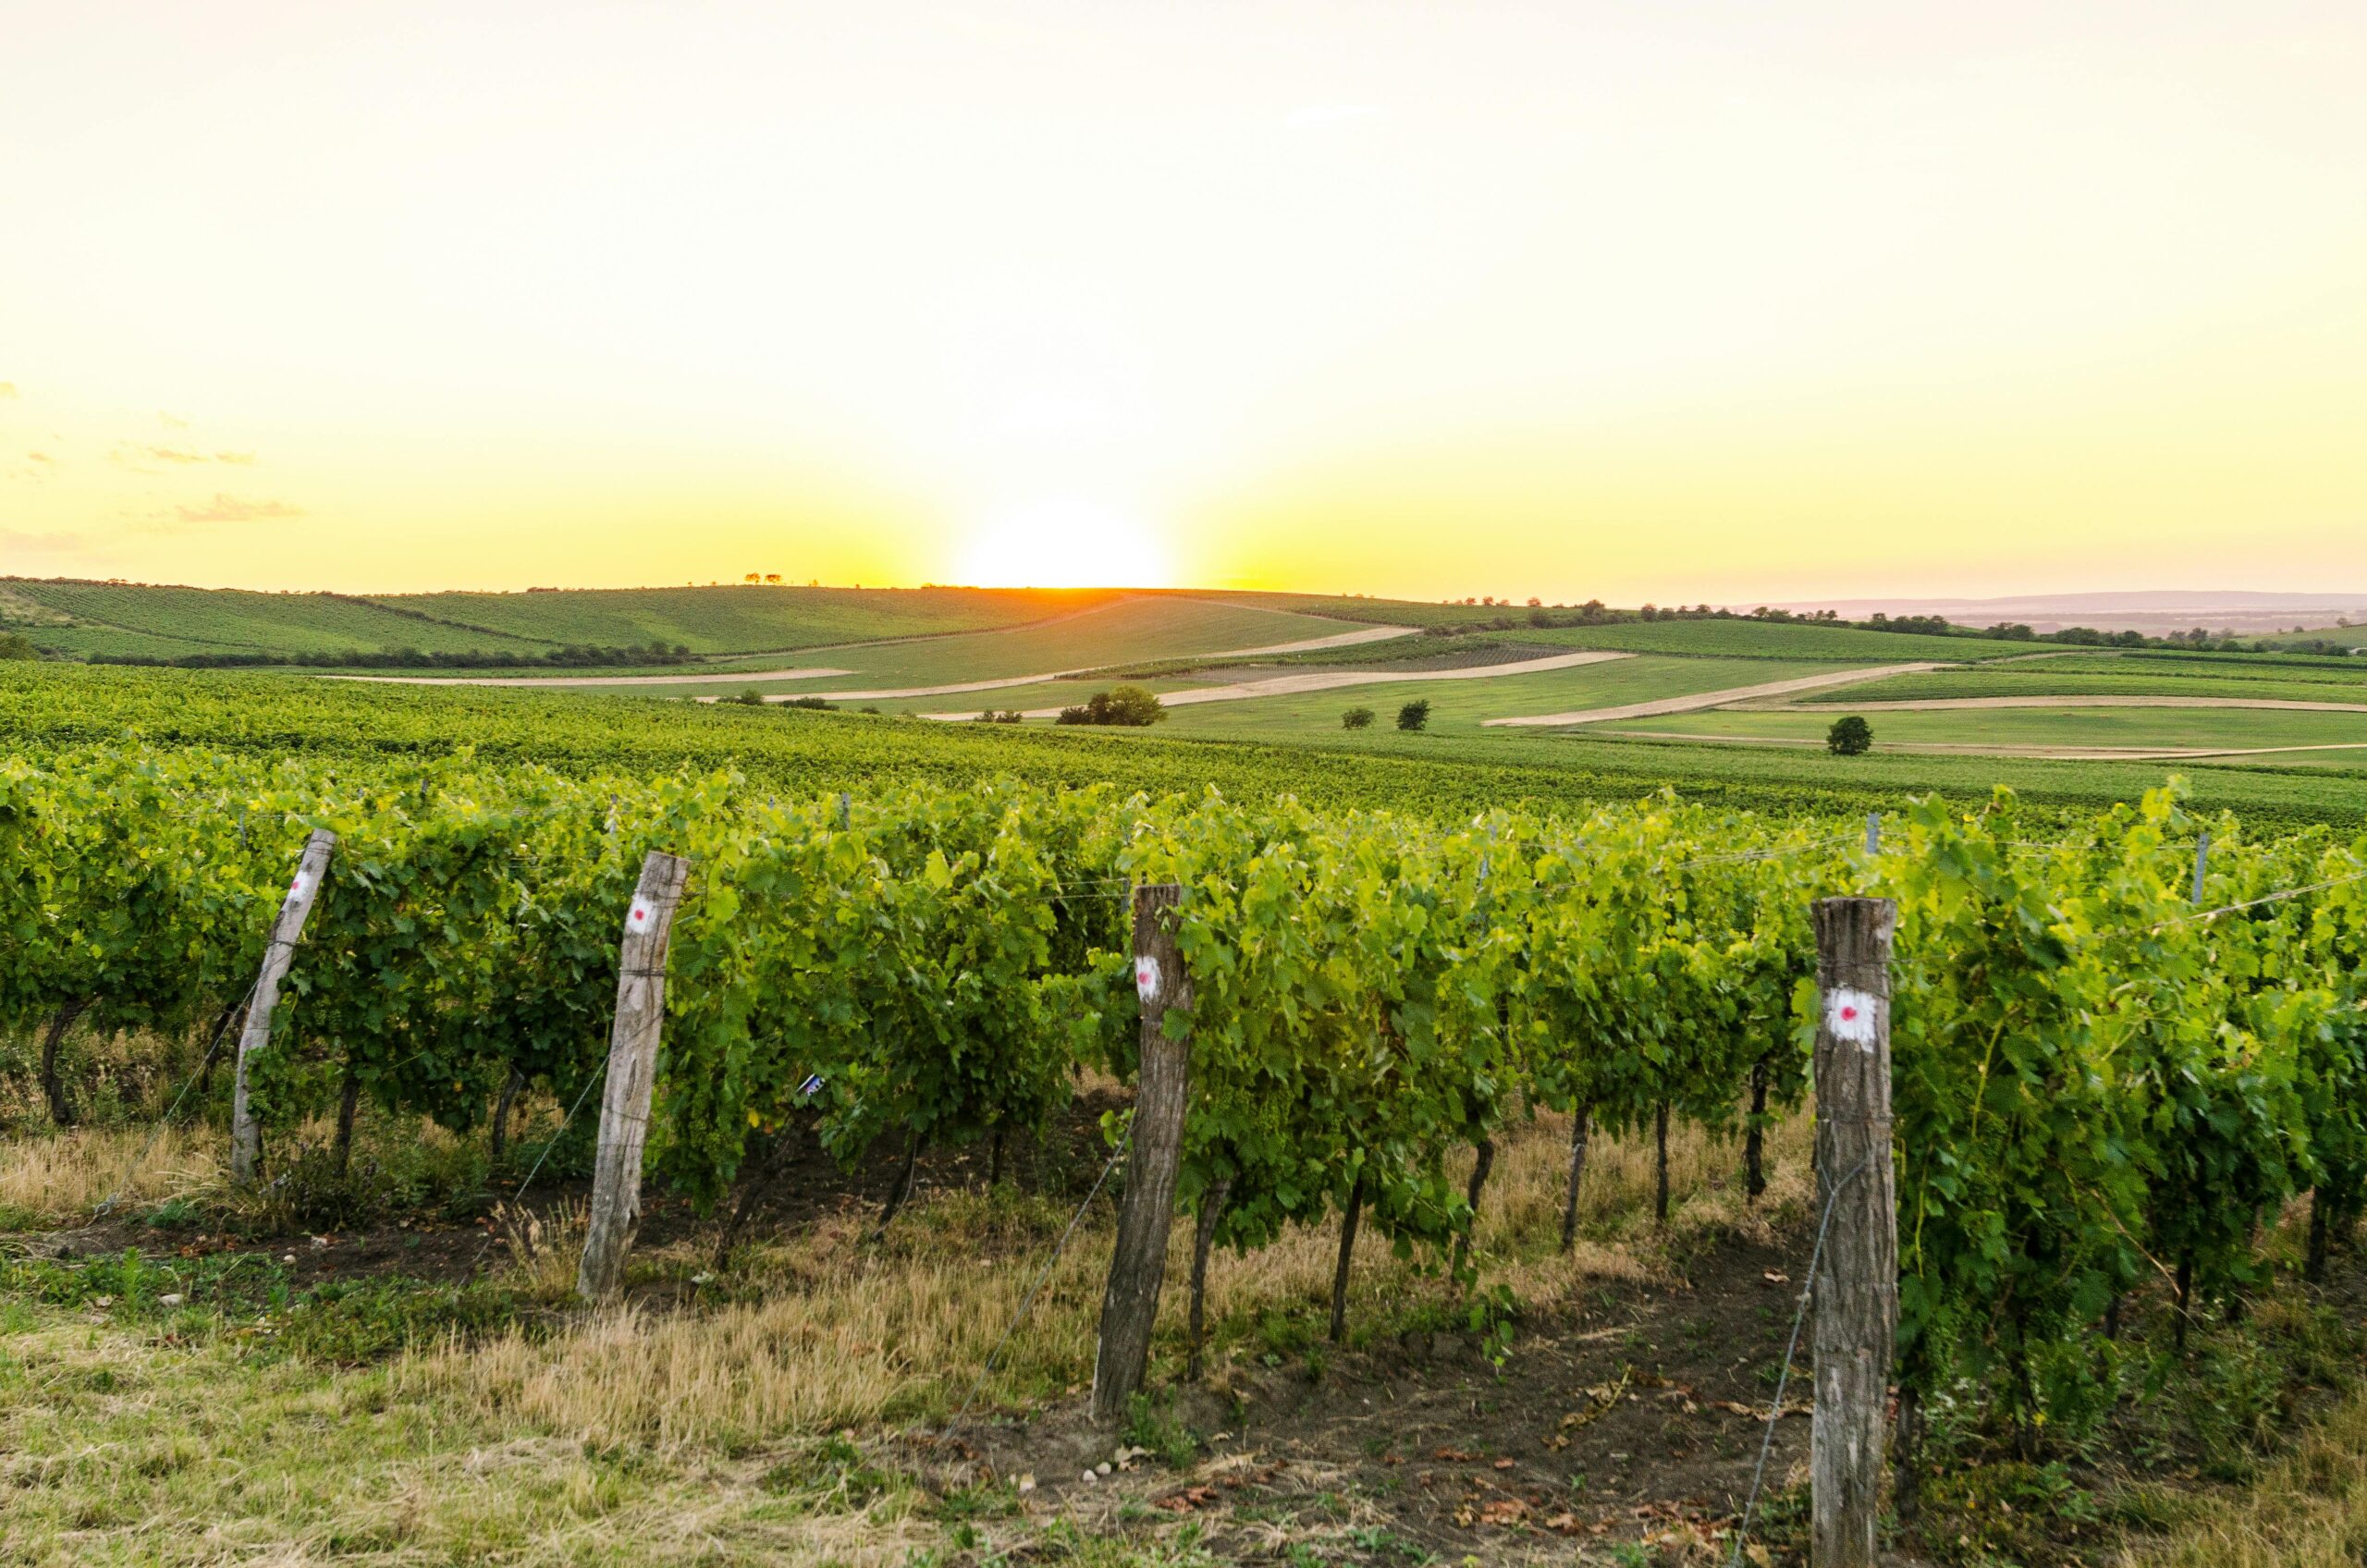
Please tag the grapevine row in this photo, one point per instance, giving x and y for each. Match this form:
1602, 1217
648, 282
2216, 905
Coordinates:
2097, 1079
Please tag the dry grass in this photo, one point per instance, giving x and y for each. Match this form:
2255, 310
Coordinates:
546, 1248
653, 1435
59, 1177
839, 1332
2308, 1510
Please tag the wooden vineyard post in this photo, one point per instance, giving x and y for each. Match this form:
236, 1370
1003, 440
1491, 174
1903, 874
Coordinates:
287, 929
632, 1070
1857, 1277
1138, 1262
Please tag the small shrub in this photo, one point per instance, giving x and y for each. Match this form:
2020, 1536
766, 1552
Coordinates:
315, 1191
175, 1214
815, 703
1414, 716
1849, 737
1158, 1431
1356, 718
1132, 706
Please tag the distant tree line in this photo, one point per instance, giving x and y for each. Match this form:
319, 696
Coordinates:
1594, 612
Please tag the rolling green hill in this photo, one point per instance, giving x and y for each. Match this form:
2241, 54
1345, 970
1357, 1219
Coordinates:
742, 618
82, 619
1106, 634
230, 619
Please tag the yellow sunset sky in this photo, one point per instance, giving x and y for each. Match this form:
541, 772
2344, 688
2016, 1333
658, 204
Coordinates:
1679, 302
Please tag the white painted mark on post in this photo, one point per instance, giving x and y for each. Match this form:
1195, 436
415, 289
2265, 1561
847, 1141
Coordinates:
297, 887
637, 918
1147, 977
1849, 1015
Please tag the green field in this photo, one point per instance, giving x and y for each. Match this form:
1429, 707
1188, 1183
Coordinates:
2271, 666
1462, 706
743, 618
2037, 727
1378, 612
131, 618
1456, 705
229, 620
2048, 679
2353, 635
1745, 639
81, 618
1125, 631
1449, 771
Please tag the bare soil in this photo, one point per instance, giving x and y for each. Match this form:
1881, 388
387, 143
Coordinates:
1635, 1416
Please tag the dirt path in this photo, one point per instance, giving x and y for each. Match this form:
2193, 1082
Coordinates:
1936, 705
1336, 680
1699, 700
1631, 1411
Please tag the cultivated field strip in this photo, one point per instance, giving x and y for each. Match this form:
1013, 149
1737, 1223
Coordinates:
1940, 705
1336, 680
1700, 700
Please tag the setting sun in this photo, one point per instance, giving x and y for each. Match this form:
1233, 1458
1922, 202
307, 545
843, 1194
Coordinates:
1617, 302
1063, 543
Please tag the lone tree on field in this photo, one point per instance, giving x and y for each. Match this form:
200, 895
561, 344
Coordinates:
1136, 706
1414, 714
1356, 718
1849, 737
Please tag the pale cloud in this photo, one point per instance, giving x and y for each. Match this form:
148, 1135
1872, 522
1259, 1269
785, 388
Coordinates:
53, 544
1327, 113
41, 458
7, 390
233, 508
137, 455
170, 422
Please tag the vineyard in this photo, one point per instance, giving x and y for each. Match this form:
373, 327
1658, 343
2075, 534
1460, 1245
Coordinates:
2119, 1049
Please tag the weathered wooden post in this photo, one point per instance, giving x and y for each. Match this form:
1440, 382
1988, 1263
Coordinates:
287, 929
1138, 1262
632, 1070
1856, 1278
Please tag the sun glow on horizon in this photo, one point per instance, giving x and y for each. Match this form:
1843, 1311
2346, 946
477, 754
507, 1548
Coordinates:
1724, 302
1064, 543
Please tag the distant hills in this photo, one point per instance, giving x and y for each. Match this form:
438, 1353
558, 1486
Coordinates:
2154, 612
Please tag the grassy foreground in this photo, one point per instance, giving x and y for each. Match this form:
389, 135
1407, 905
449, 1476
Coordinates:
223, 1394
146, 1423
